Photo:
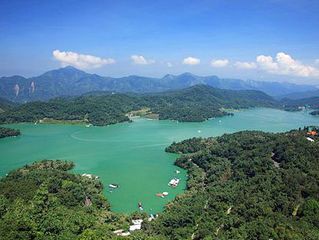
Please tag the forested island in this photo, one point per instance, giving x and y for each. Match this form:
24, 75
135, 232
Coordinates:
197, 103
8, 132
246, 185
315, 113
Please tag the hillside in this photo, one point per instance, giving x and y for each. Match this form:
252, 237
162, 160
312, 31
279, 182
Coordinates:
295, 104
301, 95
5, 105
45, 201
197, 103
70, 81
246, 185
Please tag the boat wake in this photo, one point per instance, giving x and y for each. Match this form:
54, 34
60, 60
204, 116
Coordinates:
150, 145
73, 135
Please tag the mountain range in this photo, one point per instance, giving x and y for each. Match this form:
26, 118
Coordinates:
70, 81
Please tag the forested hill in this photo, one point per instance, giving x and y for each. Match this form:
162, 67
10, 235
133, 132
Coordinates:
5, 105
312, 102
196, 103
247, 185
70, 81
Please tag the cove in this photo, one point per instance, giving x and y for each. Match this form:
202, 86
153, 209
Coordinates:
132, 154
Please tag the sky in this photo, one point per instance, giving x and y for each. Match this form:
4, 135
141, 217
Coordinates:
268, 40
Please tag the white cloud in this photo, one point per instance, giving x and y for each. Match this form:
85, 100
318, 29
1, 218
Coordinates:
139, 59
81, 60
245, 65
219, 63
191, 61
317, 61
169, 64
284, 64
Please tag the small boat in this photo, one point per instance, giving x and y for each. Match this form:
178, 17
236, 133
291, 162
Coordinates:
174, 182
177, 171
165, 193
159, 195
140, 206
113, 185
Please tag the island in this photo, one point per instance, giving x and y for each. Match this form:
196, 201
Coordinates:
315, 113
8, 132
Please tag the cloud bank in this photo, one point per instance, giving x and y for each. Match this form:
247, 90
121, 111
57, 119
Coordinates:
284, 64
191, 61
141, 60
81, 60
219, 63
245, 65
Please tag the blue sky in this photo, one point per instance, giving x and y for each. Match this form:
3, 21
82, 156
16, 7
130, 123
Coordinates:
272, 40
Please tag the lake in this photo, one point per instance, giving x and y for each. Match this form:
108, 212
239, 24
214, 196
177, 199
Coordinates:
132, 154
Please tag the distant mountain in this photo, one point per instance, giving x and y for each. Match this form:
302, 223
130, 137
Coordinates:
70, 81
301, 95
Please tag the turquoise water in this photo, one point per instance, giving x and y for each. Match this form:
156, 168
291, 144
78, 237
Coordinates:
132, 154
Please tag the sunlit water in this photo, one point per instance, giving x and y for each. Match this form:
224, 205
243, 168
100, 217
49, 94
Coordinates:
132, 154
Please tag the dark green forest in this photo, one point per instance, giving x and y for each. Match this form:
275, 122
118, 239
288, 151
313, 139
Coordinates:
196, 103
315, 113
246, 185
8, 132
295, 104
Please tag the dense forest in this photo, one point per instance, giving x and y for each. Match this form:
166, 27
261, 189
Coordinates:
197, 103
315, 113
5, 105
8, 132
45, 201
295, 104
246, 185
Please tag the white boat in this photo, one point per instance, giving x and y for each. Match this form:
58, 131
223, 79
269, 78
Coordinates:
174, 182
113, 185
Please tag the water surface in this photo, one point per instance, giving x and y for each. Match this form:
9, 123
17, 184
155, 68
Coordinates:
132, 154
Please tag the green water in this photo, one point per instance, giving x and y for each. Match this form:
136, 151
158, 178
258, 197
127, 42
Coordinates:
132, 154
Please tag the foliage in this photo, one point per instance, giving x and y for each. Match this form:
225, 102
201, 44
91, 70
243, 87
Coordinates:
197, 103
236, 191
246, 185
44, 201
295, 104
315, 113
8, 132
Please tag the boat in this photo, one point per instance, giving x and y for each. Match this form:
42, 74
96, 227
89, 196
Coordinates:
165, 193
160, 195
113, 185
140, 206
174, 182
177, 171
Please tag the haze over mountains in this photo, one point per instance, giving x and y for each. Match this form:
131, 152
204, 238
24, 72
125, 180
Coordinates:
70, 81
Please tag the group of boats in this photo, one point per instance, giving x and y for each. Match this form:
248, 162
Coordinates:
172, 183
